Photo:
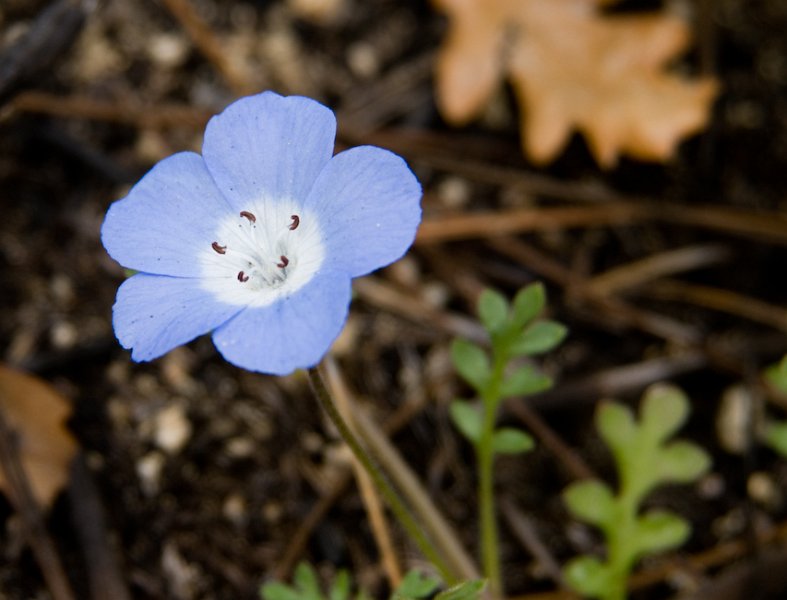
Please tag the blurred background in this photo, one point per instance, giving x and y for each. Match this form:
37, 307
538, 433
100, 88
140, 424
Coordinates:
194, 479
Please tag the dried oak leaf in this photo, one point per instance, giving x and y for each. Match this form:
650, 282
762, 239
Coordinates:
36, 414
573, 68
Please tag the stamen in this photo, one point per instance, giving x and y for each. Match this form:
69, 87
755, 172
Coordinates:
296, 220
242, 277
219, 248
249, 216
284, 262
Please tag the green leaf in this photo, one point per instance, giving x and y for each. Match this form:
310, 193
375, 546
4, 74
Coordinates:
682, 462
471, 362
776, 436
305, 580
340, 589
588, 576
415, 585
664, 410
660, 530
276, 590
776, 375
538, 338
467, 419
492, 310
523, 382
615, 423
528, 303
466, 590
508, 440
591, 501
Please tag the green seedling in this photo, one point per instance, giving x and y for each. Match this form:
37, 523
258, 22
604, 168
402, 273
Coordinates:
306, 586
515, 334
645, 459
414, 586
776, 431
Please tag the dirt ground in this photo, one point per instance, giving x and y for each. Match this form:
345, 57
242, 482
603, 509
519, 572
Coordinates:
198, 480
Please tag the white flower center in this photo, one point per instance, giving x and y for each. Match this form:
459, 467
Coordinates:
260, 255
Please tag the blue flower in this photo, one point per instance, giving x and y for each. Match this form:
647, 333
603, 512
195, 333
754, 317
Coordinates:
258, 238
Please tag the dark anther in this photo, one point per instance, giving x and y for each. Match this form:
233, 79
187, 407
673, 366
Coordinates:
249, 216
218, 248
284, 262
296, 220
242, 277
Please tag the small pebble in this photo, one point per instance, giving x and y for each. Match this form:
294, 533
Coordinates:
240, 447
63, 335
62, 289
362, 60
312, 441
763, 490
454, 192
711, 486
272, 511
436, 294
149, 469
168, 50
733, 421
234, 509
406, 271
172, 429
321, 12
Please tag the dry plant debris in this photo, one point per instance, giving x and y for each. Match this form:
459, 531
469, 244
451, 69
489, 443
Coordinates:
573, 68
36, 414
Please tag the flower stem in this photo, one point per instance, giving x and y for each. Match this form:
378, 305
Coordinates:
490, 557
621, 543
403, 515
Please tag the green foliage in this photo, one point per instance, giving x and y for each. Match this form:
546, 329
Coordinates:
528, 303
514, 332
414, 586
508, 440
591, 501
645, 459
466, 590
540, 337
658, 531
588, 575
776, 375
775, 434
776, 437
492, 310
306, 586
471, 363
467, 419
524, 381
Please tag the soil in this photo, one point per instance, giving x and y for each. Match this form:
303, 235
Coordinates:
199, 476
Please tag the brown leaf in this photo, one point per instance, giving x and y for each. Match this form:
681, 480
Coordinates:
37, 413
573, 68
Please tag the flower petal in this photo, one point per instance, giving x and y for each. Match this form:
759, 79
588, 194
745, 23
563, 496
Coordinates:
368, 204
166, 219
294, 332
154, 314
267, 147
